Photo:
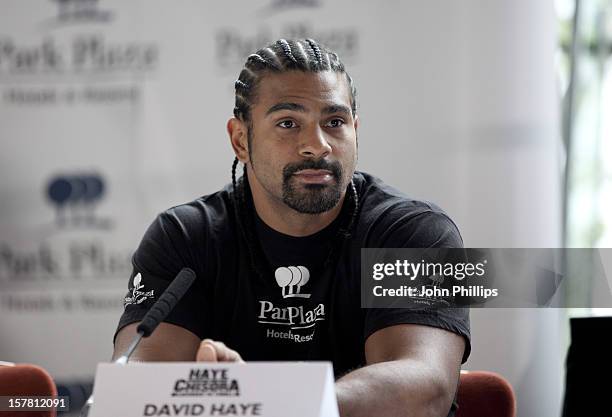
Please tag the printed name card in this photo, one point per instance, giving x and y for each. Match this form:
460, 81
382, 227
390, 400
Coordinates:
268, 389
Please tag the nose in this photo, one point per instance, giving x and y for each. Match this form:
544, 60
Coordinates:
314, 144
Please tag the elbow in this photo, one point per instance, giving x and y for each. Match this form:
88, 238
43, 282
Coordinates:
439, 407
440, 399
433, 399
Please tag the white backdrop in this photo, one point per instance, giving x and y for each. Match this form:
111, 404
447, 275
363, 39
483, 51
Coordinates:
112, 111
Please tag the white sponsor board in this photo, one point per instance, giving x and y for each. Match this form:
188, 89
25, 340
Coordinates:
268, 389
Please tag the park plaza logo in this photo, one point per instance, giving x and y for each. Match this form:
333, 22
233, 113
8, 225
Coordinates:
206, 382
81, 11
139, 293
291, 280
75, 198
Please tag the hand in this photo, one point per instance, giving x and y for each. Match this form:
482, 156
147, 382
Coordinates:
213, 351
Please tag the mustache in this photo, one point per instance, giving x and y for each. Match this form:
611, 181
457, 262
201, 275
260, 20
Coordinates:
334, 167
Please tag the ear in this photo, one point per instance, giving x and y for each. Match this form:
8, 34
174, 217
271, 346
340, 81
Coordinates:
238, 135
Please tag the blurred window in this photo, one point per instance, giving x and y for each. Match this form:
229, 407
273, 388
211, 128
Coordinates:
587, 129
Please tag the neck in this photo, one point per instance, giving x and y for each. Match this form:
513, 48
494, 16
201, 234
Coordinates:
277, 215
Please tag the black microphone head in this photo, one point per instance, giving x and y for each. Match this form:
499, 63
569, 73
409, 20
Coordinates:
168, 300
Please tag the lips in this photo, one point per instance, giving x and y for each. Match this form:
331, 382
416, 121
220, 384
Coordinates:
314, 176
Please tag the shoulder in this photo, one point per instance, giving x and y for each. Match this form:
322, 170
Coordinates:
390, 217
184, 233
195, 220
376, 196
211, 209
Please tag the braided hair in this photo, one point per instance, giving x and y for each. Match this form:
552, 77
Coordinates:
281, 56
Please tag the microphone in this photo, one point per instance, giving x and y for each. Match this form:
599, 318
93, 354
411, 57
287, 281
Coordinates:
160, 310
156, 314
165, 304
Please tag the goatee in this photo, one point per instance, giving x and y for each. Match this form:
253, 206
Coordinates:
316, 198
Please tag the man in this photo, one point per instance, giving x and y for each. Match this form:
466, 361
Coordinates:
277, 253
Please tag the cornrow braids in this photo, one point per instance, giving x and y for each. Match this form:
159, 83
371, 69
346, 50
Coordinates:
244, 208
241, 85
287, 50
234, 165
258, 59
281, 56
316, 51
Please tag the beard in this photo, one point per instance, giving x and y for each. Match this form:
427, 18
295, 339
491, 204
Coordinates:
312, 198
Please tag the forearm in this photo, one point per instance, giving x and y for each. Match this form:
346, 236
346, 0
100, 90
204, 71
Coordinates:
403, 388
168, 343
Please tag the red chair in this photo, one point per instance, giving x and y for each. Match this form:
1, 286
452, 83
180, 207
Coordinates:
484, 394
26, 380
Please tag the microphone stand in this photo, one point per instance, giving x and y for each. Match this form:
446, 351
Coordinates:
160, 310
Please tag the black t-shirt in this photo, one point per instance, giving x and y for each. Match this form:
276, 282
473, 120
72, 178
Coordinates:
272, 296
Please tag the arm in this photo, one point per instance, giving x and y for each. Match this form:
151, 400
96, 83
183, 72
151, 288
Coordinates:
412, 370
169, 343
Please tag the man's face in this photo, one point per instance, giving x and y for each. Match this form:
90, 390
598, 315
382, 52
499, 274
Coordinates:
302, 139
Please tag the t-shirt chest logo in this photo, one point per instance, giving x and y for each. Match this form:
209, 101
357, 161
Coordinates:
291, 279
291, 320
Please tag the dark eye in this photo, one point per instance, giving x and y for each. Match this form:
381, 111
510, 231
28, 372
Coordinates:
287, 124
335, 123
